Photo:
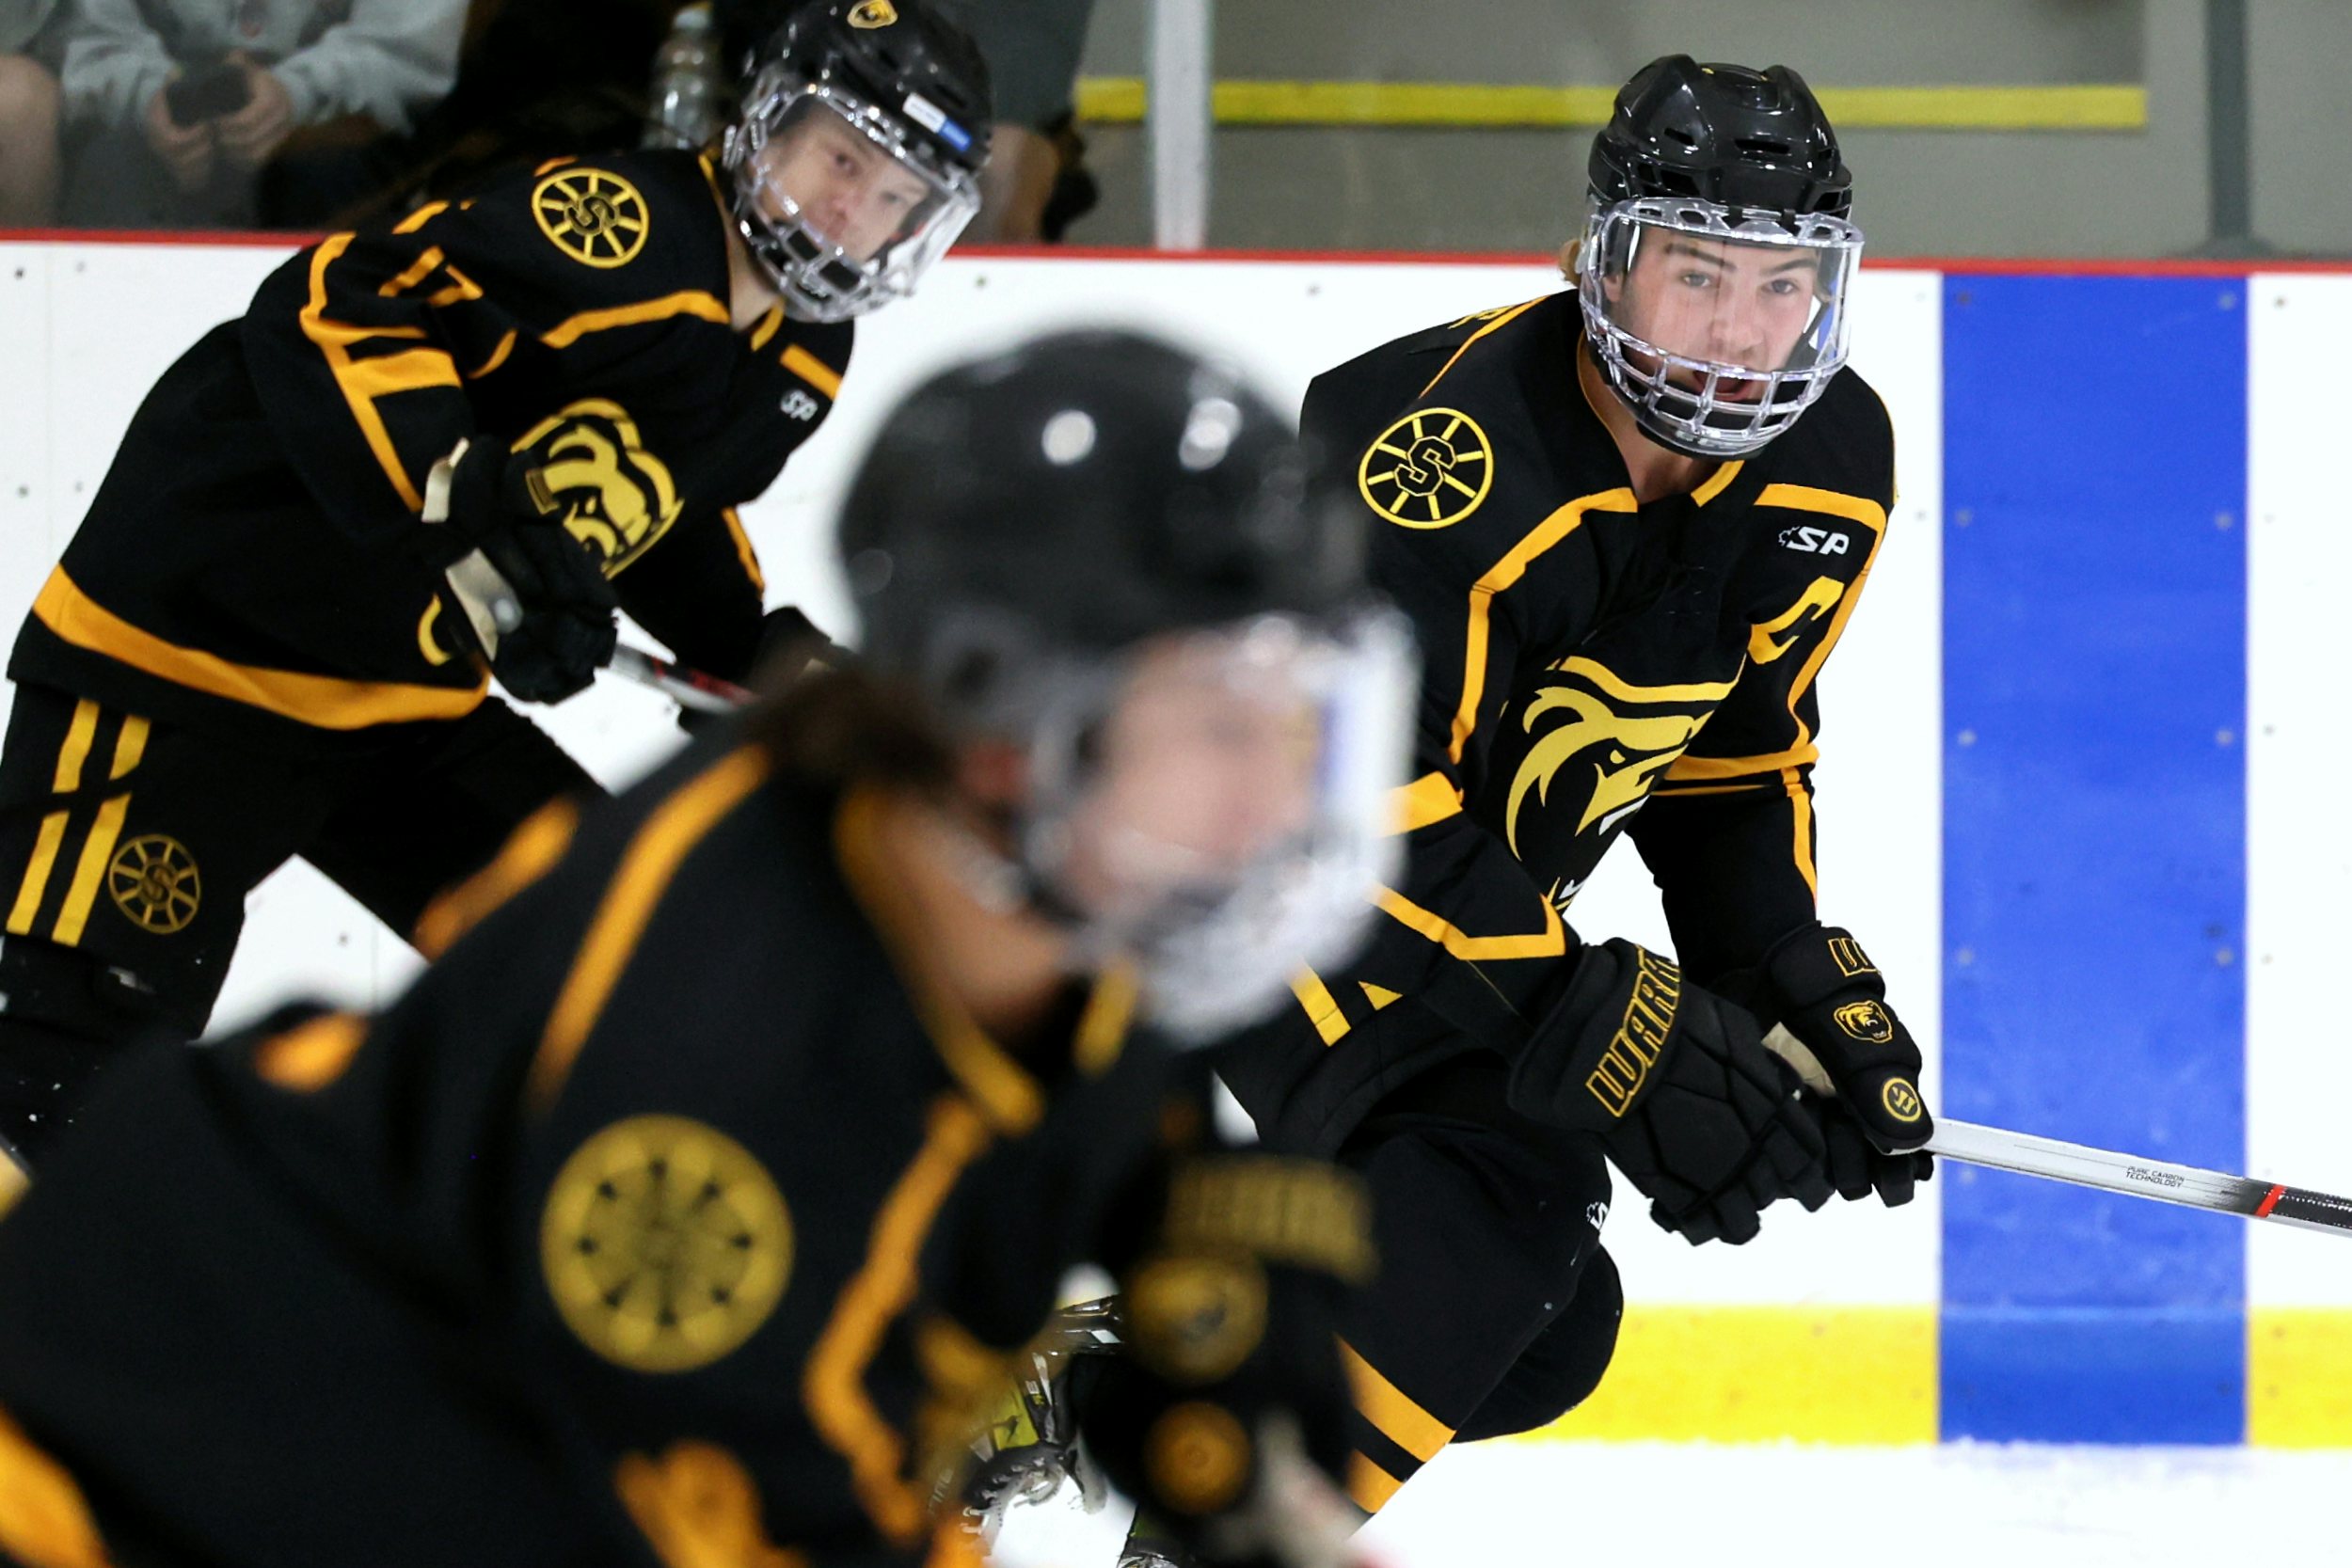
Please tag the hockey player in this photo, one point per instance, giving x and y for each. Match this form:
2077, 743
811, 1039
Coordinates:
680, 1211
430, 453
1629, 521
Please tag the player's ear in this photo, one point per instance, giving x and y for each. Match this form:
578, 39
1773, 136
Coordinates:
1568, 254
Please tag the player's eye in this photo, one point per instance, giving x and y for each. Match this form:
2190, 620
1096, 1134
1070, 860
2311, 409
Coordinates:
1783, 286
1697, 279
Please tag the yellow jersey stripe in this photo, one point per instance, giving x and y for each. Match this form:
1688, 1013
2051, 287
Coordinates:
647, 867
35, 887
89, 871
1548, 943
1323, 1009
78, 735
326, 702
833, 1388
685, 302
812, 370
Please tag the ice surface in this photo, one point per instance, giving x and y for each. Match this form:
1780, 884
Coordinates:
1502, 1504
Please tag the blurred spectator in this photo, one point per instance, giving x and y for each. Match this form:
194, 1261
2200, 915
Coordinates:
174, 106
30, 42
1034, 185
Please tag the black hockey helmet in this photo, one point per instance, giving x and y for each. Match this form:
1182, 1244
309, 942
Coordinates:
1101, 550
911, 82
1723, 134
1074, 496
1718, 254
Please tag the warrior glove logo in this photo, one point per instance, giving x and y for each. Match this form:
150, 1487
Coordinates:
1428, 470
593, 217
665, 1244
1618, 755
1640, 1038
593, 470
1900, 1100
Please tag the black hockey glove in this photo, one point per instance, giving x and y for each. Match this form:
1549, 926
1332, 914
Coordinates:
1226, 1415
791, 646
533, 597
1821, 986
1677, 1083
1857, 1167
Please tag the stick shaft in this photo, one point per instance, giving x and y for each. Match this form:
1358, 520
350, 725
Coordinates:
686, 687
2186, 1186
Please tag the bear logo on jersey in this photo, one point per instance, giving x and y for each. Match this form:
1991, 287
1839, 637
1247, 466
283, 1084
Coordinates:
665, 1244
1619, 752
593, 469
155, 884
593, 217
1428, 470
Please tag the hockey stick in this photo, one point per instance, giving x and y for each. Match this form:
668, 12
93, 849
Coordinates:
2027, 1155
686, 687
2185, 1185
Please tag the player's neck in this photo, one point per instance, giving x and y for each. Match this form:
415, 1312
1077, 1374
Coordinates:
1656, 471
993, 957
750, 295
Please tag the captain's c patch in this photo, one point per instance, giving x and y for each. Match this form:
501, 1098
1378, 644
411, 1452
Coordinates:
665, 1244
593, 216
1430, 469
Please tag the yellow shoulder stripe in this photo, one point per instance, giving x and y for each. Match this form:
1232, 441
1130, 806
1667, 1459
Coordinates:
1428, 800
646, 868
360, 384
685, 302
1500, 578
812, 370
1549, 942
1495, 326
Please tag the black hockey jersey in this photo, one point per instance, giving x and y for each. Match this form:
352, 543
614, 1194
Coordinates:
252, 561
1593, 666
668, 1218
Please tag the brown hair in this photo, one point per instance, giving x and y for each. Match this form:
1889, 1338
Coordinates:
835, 726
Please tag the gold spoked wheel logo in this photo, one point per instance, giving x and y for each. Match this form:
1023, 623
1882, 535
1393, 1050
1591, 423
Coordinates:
1429, 470
665, 1244
592, 215
155, 884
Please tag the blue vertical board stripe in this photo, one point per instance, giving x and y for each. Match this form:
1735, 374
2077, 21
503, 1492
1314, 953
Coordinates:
2094, 877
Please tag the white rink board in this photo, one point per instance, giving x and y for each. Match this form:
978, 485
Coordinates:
2298, 763
106, 320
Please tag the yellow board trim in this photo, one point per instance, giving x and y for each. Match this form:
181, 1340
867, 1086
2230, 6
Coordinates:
685, 302
652, 859
1323, 1009
324, 700
833, 1385
812, 370
35, 884
1500, 578
1859, 1375
1548, 943
2082, 106
89, 871
78, 735
2298, 1377
1396, 1414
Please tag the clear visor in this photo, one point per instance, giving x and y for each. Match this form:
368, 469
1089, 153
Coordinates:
1220, 818
1717, 326
836, 204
